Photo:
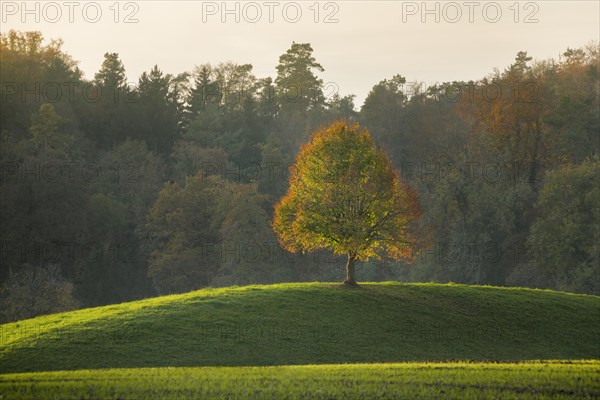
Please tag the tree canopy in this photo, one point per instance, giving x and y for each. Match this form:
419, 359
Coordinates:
345, 196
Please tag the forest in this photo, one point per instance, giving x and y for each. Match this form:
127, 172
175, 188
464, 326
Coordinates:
114, 190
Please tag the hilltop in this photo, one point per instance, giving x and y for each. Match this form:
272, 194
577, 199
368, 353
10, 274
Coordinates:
310, 323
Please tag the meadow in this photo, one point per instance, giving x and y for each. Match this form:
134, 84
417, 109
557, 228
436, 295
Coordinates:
454, 380
313, 340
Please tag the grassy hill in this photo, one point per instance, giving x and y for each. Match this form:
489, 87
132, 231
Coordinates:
310, 323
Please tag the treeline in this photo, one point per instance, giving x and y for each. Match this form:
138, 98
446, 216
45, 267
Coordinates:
112, 191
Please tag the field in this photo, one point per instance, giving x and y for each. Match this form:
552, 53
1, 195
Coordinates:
313, 340
531, 380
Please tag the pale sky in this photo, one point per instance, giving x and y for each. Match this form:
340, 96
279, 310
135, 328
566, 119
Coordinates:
362, 43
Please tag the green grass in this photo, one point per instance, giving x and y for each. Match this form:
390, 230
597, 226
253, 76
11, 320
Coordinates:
530, 380
310, 323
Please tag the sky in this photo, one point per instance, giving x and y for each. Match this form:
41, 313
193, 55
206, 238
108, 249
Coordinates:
359, 43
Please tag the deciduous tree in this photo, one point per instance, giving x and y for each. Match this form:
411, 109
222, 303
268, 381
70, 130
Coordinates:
345, 196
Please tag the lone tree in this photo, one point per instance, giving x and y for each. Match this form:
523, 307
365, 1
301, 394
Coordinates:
345, 196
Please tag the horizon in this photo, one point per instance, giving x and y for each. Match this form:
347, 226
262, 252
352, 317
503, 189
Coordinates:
543, 29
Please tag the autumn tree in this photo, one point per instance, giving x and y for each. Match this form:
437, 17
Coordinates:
345, 196
512, 107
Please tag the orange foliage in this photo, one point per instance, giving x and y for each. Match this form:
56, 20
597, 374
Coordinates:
345, 196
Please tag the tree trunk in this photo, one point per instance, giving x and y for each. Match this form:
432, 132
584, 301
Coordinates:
350, 270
